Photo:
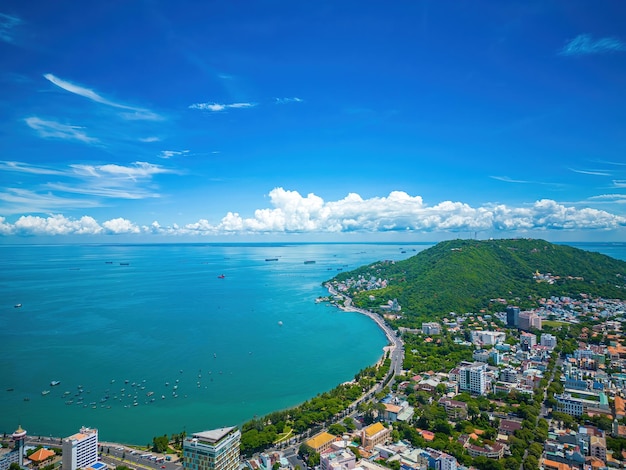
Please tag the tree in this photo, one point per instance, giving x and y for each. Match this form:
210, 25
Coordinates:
160, 444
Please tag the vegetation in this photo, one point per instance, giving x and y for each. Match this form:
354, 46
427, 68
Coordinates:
467, 275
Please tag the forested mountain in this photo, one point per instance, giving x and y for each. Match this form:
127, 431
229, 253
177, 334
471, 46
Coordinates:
467, 275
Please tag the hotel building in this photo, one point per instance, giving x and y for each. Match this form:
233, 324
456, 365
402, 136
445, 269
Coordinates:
81, 449
217, 449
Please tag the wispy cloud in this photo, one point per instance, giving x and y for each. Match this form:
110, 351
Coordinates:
215, 107
56, 130
584, 44
591, 172
7, 25
134, 114
619, 183
137, 171
619, 198
91, 182
173, 153
295, 99
506, 179
150, 139
21, 167
21, 201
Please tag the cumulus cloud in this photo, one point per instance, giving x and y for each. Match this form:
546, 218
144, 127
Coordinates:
7, 26
132, 113
291, 212
119, 225
56, 130
215, 107
584, 44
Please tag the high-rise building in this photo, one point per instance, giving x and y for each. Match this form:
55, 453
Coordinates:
217, 449
512, 316
81, 449
19, 436
473, 378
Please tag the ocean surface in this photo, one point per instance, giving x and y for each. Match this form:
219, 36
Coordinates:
148, 340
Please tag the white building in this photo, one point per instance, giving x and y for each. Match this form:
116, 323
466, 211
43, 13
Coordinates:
548, 340
473, 378
217, 449
81, 449
490, 338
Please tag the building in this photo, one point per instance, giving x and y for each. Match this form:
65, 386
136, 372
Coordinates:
488, 338
217, 449
512, 316
529, 320
454, 409
321, 442
548, 340
19, 436
81, 449
338, 460
584, 402
431, 328
473, 378
374, 435
527, 341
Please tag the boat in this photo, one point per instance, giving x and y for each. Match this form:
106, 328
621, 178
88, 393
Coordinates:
221, 276
271, 259
10, 389
55, 383
17, 306
45, 392
124, 264
310, 261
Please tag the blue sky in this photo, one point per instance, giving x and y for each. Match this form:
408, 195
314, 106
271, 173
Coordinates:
303, 121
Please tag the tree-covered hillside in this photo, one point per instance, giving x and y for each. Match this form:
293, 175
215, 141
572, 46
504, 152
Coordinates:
465, 275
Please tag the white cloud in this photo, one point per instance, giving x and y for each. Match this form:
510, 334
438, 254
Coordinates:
295, 99
584, 44
56, 225
120, 225
220, 107
138, 170
57, 130
591, 172
7, 25
173, 153
150, 139
290, 212
21, 167
135, 114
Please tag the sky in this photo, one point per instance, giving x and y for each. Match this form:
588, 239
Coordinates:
420, 120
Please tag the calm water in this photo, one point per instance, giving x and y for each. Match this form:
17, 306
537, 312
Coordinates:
127, 323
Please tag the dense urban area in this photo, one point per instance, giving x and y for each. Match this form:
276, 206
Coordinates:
516, 389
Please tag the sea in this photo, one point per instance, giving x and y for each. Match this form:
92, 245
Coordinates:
147, 340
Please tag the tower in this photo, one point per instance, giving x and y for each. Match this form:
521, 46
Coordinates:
19, 436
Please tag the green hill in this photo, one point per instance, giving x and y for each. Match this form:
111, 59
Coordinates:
466, 275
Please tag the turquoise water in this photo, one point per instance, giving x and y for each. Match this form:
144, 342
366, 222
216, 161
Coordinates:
235, 348
106, 317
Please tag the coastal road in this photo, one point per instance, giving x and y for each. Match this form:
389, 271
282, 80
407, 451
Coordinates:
396, 348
